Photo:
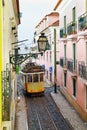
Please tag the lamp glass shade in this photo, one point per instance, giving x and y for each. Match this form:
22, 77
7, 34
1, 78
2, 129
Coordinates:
42, 42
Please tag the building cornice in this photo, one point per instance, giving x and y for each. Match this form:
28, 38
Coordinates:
16, 10
51, 14
58, 3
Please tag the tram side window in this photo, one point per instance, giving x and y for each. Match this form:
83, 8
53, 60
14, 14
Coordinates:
41, 77
23, 78
29, 78
35, 78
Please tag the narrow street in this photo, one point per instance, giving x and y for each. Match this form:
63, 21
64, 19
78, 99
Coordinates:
43, 49
43, 114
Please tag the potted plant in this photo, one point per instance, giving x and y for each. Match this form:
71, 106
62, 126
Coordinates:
73, 27
81, 19
64, 35
73, 23
86, 25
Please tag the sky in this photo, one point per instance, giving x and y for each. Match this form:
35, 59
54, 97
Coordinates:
32, 13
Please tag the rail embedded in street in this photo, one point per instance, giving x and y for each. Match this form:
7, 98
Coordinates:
43, 114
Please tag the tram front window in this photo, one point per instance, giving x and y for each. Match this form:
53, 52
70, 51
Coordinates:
29, 78
35, 78
41, 77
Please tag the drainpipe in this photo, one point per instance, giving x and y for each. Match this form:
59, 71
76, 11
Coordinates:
86, 5
1, 21
55, 87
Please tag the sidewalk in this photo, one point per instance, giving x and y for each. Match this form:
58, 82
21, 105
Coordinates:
21, 109
68, 111
21, 115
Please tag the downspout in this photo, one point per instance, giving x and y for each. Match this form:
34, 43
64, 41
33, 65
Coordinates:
55, 87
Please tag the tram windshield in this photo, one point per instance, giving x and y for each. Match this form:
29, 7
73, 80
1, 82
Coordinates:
41, 77
35, 78
30, 78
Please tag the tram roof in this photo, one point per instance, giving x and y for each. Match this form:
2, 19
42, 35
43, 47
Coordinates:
31, 73
32, 69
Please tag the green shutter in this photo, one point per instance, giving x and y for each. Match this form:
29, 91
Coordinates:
74, 14
74, 55
65, 24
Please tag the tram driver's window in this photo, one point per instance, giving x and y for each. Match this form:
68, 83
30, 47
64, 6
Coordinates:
41, 77
29, 78
35, 77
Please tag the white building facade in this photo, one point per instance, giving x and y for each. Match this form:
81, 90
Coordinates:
47, 26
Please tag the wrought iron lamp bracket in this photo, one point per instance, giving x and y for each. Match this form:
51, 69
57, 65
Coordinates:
20, 58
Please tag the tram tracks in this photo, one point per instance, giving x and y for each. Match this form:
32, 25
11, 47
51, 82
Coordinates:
43, 114
52, 120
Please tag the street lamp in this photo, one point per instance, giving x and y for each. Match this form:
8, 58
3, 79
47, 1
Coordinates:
55, 80
44, 45
42, 42
17, 59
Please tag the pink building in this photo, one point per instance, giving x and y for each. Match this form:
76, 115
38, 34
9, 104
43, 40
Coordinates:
72, 71
70, 23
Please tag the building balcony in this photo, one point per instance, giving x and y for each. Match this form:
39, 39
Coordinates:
72, 67
72, 28
82, 70
63, 63
63, 33
82, 22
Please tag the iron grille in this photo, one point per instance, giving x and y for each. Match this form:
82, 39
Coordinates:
63, 62
82, 22
82, 69
72, 66
6, 95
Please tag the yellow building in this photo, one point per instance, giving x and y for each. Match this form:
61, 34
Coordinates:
0, 63
9, 21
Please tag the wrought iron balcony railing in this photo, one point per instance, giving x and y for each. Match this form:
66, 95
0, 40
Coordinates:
63, 33
71, 28
82, 70
63, 62
6, 95
72, 66
82, 22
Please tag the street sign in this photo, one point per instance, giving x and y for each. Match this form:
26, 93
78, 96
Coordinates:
50, 69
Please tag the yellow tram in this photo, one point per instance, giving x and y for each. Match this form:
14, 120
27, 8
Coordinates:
33, 78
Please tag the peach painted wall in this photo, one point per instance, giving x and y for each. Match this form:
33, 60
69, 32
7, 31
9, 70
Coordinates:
81, 50
81, 93
66, 10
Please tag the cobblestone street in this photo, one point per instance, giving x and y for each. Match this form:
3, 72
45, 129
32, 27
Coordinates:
43, 114
69, 113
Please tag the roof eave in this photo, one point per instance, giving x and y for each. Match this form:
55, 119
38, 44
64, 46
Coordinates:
56, 6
